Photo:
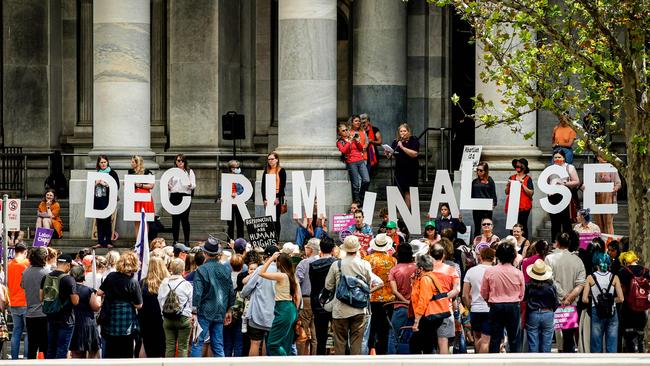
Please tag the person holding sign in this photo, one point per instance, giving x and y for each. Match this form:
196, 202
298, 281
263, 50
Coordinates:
483, 187
584, 225
273, 167
405, 151
606, 221
236, 189
526, 195
49, 214
137, 167
352, 148
178, 190
561, 222
104, 226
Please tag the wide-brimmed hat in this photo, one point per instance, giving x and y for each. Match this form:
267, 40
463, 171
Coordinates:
381, 243
523, 162
419, 247
351, 244
539, 271
290, 248
212, 246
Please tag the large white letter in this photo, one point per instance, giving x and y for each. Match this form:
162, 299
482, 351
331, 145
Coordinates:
466, 200
164, 191
369, 207
513, 204
269, 210
437, 197
227, 180
130, 197
396, 203
552, 188
90, 210
300, 195
591, 187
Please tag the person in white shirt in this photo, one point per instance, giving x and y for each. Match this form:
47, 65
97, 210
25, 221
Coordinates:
177, 327
178, 190
478, 307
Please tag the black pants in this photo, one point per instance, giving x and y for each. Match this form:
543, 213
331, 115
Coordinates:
568, 340
422, 341
119, 346
104, 231
522, 219
560, 223
504, 316
379, 327
238, 221
181, 219
278, 217
322, 324
37, 336
479, 215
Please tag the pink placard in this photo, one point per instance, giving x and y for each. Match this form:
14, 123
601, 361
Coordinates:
342, 222
586, 238
566, 317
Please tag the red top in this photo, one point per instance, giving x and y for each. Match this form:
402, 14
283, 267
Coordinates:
353, 150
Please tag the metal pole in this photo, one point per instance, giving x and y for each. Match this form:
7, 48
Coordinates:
426, 156
5, 235
442, 147
25, 176
449, 167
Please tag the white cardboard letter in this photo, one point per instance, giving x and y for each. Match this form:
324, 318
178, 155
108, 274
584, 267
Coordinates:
164, 191
130, 197
369, 200
90, 211
513, 204
396, 203
227, 180
269, 210
437, 197
591, 187
316, 192
552, 188
466, 200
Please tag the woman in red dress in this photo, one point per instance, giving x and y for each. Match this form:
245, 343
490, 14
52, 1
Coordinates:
137, 167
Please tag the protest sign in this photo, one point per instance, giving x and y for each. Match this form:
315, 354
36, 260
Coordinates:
566, 317
472, 153
342, 222
586, 238
13, 214
42, 237
261, 231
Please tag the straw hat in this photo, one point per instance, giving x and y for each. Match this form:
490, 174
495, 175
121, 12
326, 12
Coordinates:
419, 247
351, 244
539, 271
381, 243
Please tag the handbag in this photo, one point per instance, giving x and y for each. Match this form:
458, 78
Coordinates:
438, 296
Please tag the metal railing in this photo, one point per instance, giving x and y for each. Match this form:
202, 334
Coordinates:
444, 157
12, 174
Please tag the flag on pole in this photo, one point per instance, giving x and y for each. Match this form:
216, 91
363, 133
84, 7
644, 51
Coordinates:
94, 269
142, 247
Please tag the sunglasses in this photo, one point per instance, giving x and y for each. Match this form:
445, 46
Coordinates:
480, 170
486, 224
270, 159
180, 160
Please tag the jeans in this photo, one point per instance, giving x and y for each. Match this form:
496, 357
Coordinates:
504, 315
302, 235
18, 317
359, 179
607, 327
366, 336
539, 326
216, 338
59, 335
232, 339
398, 320
37, 337
177, 332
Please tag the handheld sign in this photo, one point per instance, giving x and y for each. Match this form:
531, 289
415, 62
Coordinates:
42, 237
472, 153
261, 231
565, 317
342, 222
586, 238
13, 214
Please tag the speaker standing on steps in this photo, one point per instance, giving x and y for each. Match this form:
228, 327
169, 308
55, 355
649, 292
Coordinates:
178, 190
405, 150
233, 126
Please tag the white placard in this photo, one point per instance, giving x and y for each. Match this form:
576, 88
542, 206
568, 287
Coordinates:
90, 211
130, 196
513, 204
227, 180
396, 203
443, 181
269, 210
466, 200
164, 191
300, 194
369, 200
472, 153
591, 188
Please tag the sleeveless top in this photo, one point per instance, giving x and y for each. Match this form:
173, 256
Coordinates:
603, 280
282, 289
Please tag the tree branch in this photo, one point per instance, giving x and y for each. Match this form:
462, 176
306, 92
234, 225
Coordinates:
593, 11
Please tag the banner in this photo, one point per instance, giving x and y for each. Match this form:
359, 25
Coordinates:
342, 222
42, 237
566, 317
586, 238
261, 231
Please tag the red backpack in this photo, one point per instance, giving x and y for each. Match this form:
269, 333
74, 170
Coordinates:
636, 297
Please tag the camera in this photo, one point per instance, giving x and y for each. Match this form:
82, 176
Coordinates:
356, 135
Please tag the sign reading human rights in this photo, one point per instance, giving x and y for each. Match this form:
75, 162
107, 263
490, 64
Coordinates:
261, 231
305, 195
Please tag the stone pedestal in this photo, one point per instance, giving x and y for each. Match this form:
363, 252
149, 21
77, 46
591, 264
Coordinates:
379, 62
121, 103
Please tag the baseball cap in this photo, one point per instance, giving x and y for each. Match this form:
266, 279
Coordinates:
240, 245
270, 250
64, 258
181, 248
430, 223
391, 225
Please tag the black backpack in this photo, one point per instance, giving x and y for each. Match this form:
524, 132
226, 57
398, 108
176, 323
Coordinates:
605, 300
318, 270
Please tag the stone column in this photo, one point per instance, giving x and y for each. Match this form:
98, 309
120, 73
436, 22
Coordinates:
121, 109
307, 99
379, 62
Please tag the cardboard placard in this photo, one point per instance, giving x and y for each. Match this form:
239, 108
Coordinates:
261, 231
342, 222
586, 238
566, 317
13, 214
472, 153
42, 237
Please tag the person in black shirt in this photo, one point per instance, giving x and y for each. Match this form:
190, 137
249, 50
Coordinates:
60, 324
633, 322
541, 302
318, 270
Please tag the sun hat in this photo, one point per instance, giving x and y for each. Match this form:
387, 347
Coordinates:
289, 248
212, 246
419, 247
391, 225
381, 243
539, 271
351, 244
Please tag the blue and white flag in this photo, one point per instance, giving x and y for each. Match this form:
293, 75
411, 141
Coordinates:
142, 247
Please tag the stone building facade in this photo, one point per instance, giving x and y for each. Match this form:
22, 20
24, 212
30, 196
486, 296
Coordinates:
154, 77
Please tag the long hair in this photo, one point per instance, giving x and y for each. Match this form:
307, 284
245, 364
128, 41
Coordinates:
156, 274
139, 164
285, 266
182, 158
128, 263
100, 157
48, 191
485, 167
408, 129
275, 154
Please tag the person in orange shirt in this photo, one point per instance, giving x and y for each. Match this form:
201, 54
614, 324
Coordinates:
49, 214
381, 263
563, 137
17, 300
